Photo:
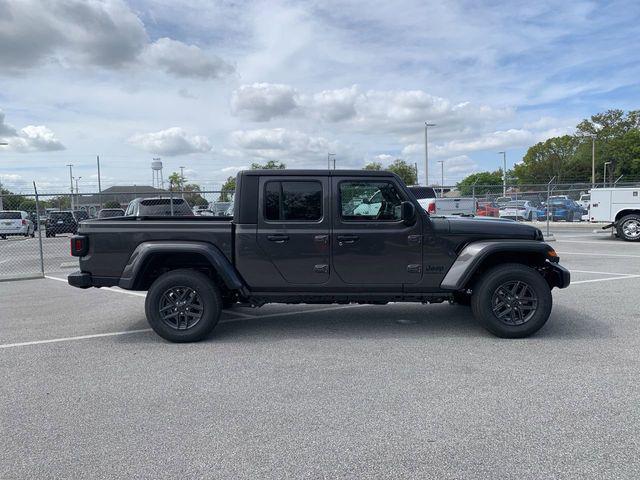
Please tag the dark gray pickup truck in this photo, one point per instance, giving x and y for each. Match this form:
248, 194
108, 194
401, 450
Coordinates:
305, 236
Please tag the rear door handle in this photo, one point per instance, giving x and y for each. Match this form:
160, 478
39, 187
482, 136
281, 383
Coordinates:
347, 239
278, 238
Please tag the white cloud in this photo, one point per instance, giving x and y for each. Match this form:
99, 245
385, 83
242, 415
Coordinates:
32, 138
282, 144
335, 105
170, 142
461, 165
103, 33
184, 60
263, 101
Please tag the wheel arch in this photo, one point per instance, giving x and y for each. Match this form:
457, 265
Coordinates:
626, 211
478, 257
151, 259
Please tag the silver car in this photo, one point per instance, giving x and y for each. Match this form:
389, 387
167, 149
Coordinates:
15, 222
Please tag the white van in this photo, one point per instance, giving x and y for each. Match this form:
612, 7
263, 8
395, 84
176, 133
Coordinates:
620, 207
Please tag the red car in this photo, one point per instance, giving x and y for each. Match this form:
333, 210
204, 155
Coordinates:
487, 209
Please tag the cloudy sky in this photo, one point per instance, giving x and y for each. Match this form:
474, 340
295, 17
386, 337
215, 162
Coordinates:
214, 86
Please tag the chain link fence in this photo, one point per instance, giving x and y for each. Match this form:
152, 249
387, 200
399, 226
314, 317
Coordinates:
35, 227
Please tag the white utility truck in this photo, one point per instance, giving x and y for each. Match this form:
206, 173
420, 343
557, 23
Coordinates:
620, 207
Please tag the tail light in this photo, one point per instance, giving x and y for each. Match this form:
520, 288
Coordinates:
24, 222
431, 208
79, 246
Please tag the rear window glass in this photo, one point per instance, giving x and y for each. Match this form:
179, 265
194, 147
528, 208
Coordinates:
10, 216
516, 204
82, 215
293, 201
110, 213
423, 192
61, 216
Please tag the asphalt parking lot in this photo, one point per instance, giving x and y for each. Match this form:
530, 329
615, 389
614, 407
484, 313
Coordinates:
396, 391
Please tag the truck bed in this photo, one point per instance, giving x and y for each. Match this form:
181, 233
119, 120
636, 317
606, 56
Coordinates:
116, 238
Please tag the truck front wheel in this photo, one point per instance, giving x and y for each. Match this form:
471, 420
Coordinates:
512, 301
183, 306
629, 228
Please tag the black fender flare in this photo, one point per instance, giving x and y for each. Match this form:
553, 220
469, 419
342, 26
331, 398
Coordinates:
474, 253
214, 256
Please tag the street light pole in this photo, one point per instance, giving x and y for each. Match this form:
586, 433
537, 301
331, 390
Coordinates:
70, 165
99, 185
593, 161
77, 192
504, 173
441, 162
604, 174
329, 155
426, 152
3, 144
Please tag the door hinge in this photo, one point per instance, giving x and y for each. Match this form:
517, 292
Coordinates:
414, 239
414, 268
322, 268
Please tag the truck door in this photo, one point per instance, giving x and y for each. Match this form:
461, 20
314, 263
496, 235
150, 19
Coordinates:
293, 227
370, 243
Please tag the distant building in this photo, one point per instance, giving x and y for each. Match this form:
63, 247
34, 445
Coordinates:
122, 194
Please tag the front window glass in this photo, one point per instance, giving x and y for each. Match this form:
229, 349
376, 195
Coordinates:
377, 201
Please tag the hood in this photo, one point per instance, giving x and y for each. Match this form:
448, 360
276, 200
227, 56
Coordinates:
486, 227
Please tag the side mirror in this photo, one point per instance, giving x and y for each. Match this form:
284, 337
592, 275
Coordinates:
408, 212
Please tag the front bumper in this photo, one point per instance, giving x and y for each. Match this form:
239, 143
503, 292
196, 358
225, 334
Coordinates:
559, 276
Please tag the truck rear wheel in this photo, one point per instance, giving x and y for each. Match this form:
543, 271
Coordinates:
183, 306
629, 228
512, 301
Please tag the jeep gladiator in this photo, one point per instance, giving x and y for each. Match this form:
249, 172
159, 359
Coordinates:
315, 236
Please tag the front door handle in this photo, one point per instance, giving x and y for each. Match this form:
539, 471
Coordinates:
278, 238
347, 239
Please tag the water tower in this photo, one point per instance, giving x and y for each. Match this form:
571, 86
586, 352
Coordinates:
156, 170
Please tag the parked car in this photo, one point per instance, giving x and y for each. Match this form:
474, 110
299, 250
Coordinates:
15, 222
519, 210
426, 197
61, 222
456, 206
110, 212
585, 200
487, 209
296, 238
620, 207
502, 201
200, 209
158, 207
563, 209
219, 209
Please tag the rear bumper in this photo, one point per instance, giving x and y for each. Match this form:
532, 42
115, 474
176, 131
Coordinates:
86, 280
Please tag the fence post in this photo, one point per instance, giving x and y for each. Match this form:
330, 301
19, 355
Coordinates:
35, 189
548, 207
171, 200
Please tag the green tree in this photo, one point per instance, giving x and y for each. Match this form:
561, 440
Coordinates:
485, 182
176, 182
373, 166
227, 189
270, 165
554, 157
404, 170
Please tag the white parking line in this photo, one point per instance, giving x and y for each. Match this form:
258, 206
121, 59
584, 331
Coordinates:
598, 254
594, 242
604, 279
68, 339
604, 273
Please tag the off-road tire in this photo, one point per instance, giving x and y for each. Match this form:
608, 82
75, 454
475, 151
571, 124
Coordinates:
490, 285
208, 296
625, 221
